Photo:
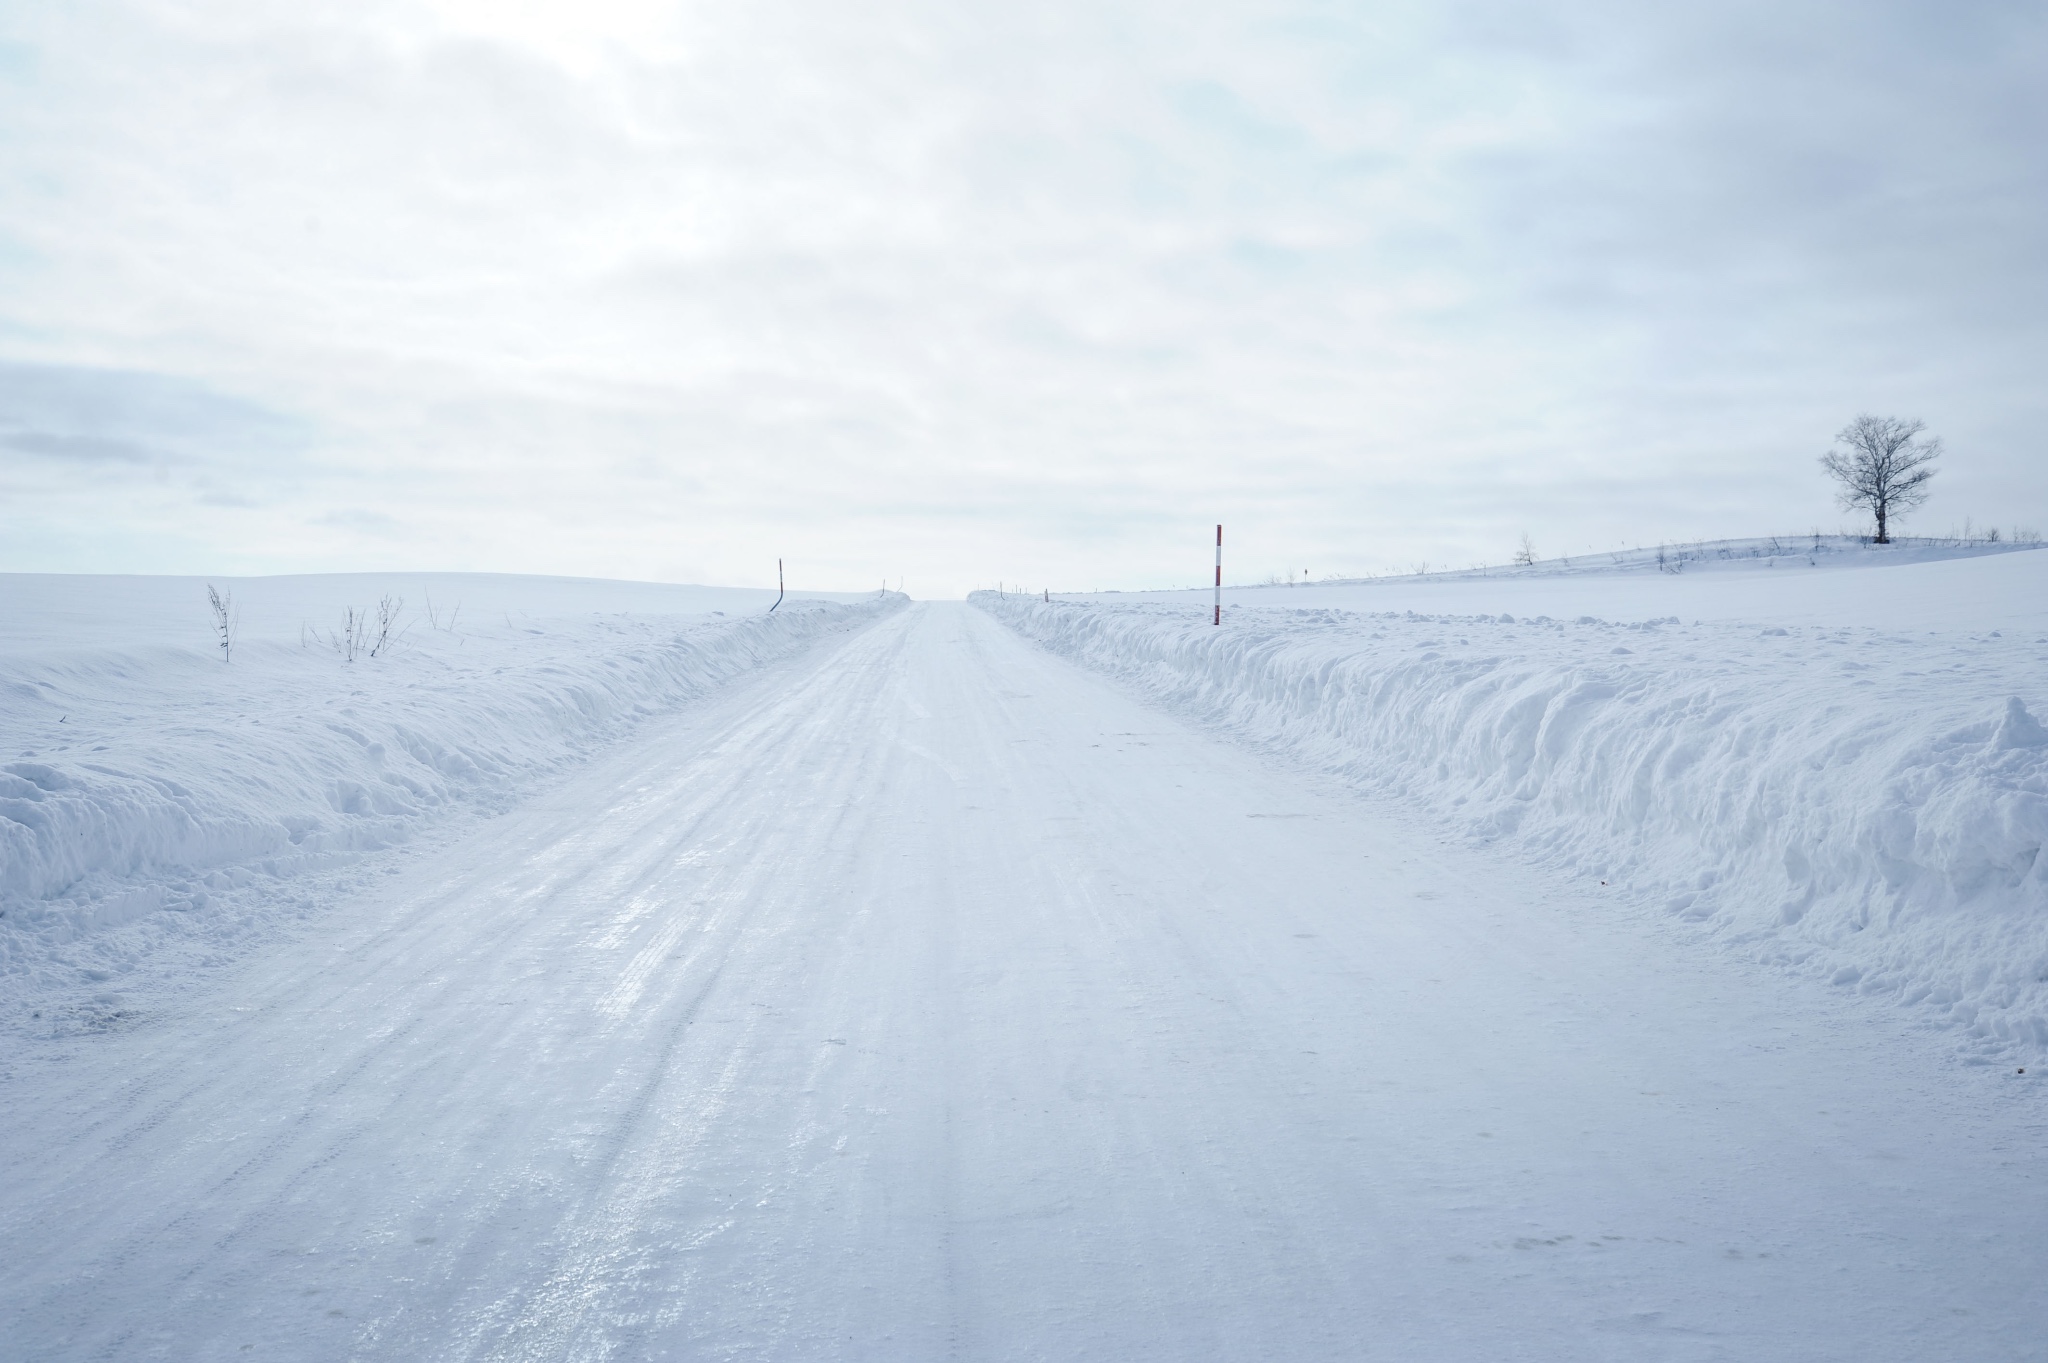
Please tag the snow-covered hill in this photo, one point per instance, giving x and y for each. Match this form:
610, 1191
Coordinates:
153, 798
1843, 771
1973, 586
1768, 552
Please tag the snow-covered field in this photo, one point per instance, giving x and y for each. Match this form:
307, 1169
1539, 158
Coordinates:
160, 809
1833, 760
1823, 581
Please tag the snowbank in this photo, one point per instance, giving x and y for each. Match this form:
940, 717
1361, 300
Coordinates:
1864, 804
151, 792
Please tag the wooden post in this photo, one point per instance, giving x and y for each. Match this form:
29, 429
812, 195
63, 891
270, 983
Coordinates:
1218, 617
778, 586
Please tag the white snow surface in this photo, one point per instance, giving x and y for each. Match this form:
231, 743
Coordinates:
1839, 770
922, 995
153, 798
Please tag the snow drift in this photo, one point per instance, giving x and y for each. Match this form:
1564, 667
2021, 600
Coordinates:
1866, 805
155, 779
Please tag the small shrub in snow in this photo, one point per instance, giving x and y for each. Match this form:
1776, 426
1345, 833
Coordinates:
351, 643
386, 634
364, 635
222, 604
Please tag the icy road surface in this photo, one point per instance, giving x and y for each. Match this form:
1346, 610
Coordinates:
929, 999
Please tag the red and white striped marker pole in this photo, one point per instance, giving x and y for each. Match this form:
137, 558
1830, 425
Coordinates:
1218, 618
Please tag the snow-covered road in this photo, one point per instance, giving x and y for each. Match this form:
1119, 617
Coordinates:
928, 998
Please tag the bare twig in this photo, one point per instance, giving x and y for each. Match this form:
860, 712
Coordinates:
434, 616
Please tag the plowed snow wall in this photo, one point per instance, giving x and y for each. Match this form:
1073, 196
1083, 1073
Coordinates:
160, 779
1869, 807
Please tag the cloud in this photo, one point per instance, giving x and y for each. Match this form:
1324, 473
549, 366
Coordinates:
960, 292
103, 418
366, 522
90, 449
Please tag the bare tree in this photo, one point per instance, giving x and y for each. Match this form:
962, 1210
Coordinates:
1885, 468
1525, 553
226, 620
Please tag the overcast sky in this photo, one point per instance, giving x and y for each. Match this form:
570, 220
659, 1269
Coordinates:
958, 292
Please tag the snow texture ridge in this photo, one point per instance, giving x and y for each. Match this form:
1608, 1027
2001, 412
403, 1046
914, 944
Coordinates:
154, 784
1864, 805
